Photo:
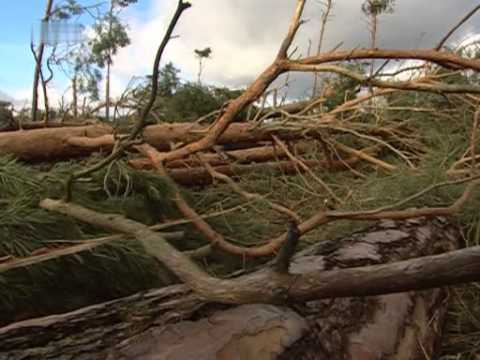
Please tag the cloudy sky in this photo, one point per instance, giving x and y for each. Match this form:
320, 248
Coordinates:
243, 34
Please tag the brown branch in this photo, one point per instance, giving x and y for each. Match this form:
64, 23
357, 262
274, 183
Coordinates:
399, 85
292, 31
445, 59
215, 238
268, 287
200, 175
181, 7
384, 213
83, 245
253, 92
409, 275
365, 156
242, 156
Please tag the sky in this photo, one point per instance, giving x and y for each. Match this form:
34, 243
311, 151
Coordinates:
243, 34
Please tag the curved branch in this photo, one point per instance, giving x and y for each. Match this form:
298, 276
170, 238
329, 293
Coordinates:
399, 85
253, 93
303, 285
445, 59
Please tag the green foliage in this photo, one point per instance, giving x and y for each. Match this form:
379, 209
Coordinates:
345, 88
169, 81
179, 101
203, 53
117, 269
192, 101
67, 10
110, 35
87, 75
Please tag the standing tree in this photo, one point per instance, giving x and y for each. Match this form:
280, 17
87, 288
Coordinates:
85, 77
326, 13
76, 61
38, 63
373, 9
111, 34
201, 55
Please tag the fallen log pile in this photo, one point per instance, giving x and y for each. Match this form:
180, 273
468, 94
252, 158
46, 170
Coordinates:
253, 148
51, 144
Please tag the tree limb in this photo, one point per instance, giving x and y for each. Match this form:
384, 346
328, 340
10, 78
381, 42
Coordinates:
266, 287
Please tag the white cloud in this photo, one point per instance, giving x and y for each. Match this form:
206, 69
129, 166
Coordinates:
245, 34
239, 53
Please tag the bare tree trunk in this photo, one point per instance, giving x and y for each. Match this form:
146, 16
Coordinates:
325, 15
107, 92
109, 64
200, 68
38, 64
174, 323
74, 93
373, 35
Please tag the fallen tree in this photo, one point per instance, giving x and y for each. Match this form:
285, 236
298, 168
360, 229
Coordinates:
200, 176
175, 321
67, 142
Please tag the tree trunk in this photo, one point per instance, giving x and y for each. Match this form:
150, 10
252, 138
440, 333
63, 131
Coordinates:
173, 323
74, 95
63, 143
199, 176
107, 93
38, 64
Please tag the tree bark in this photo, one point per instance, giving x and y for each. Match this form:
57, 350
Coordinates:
222, 158
63, 143
173, 323
38, 64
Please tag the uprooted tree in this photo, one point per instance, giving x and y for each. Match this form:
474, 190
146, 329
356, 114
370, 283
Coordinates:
412, 249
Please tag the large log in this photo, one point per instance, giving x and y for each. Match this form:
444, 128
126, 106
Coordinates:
173, 323
62, 143
222, 158
30, 125
201, 177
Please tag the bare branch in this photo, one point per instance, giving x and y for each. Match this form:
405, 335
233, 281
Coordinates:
269, 287
448, 60
456, 27
434, 87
